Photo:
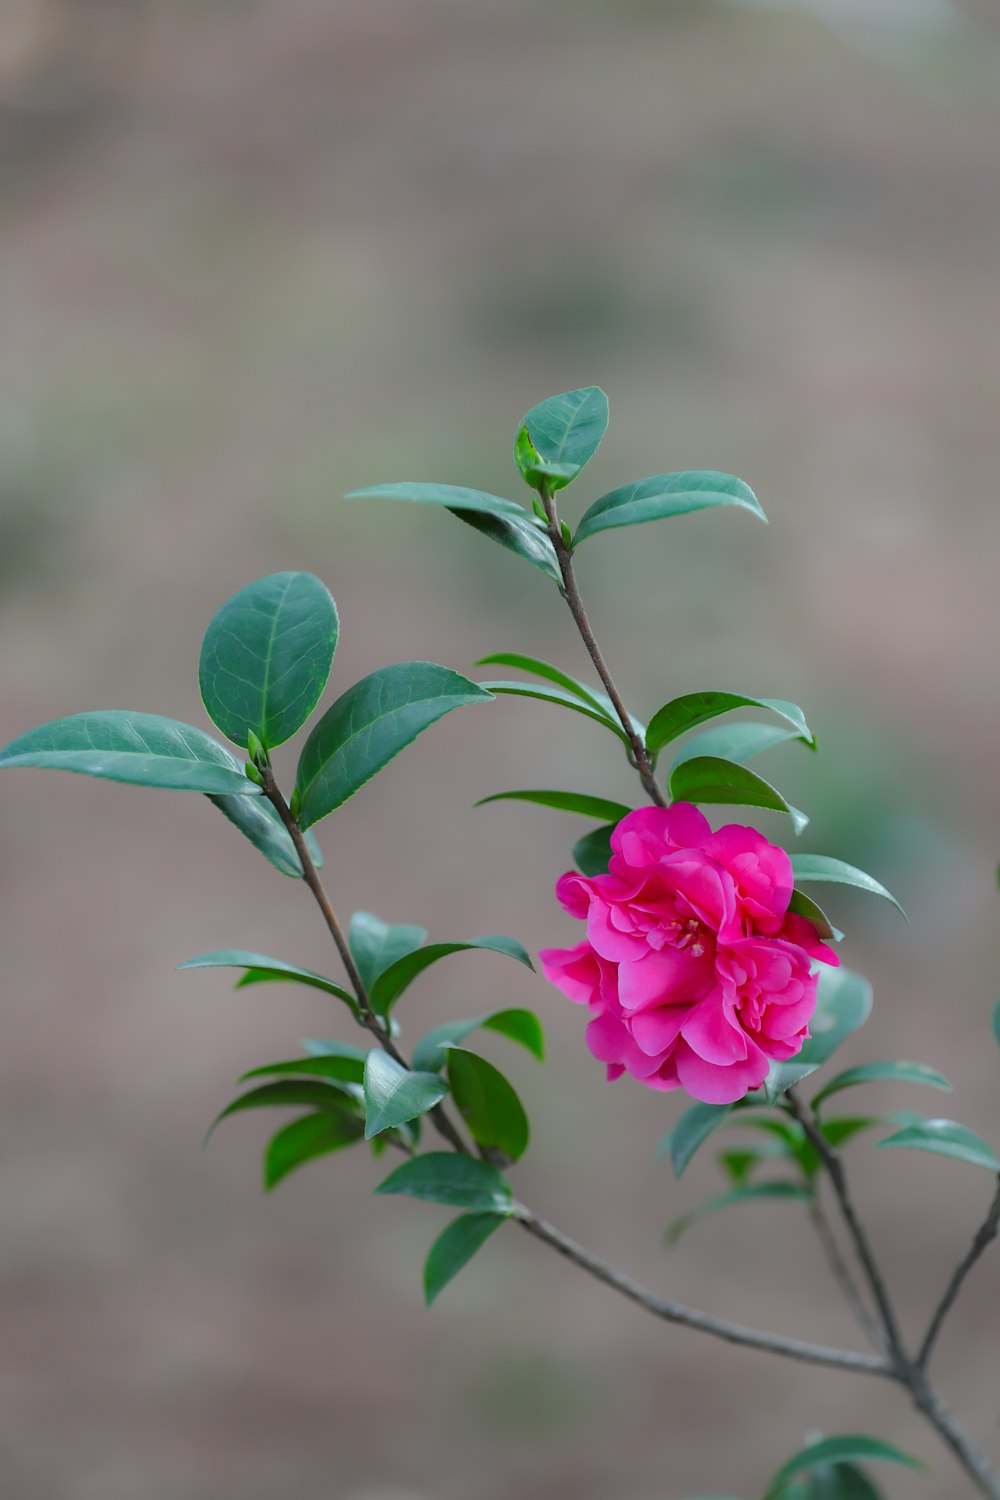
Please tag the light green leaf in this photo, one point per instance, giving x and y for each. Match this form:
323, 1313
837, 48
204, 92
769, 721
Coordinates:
737, 742
454, 1248
691, 1130
747, 1193
458, 1181
306, 1139
488, 1104
522, 1026
878, 1072
140, 749
567, 429
573, 802
394, 1095
375, 944
852, 1448
945, 1138
257, 818
535, 470
391, 983
548, 673
805, 906
260, 969
807, 867
707, 779
452, 496
843, 1003
665, 495
266, 657
313, 1094
369, 725
681, 714
556, 695
520, 535
592, 853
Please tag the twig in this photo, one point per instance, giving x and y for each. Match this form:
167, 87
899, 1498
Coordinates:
842, 1275
985, 1234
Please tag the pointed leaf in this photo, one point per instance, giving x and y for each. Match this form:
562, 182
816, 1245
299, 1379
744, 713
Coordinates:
804, 906
523, 1026
391, 983
738, 742
843, 1003
945, 1138
375, 944
558, 696
573, 802
692, 1129
548, 673
878, 1072
458, 1181
452, 496
567, 429
519, 534
394, 1095
488, 1104
314, 1094
592, 853
748, 1192
665, 495
306, 1139
807, 867
851, 1448
708, 779
141, 749
260, 969
535, 470
681, 714
369, 725
339, 1069
454, 1248
257, 818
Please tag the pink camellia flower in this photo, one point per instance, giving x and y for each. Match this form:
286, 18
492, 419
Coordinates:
695, 972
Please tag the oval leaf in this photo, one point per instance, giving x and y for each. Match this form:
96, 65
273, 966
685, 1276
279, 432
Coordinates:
488, 1104
306, 1139
945, 1138
394, 1095
260, 969
574, 802
665, 495
520, 535
747, 1193
535, 470
452, 496
879, 1072
454, 1248
592, 853
140, 749
375, 944
458, 1181
258, 820
342, 1069
849, 1449
692, 1129
369, 725
394, 980
808, 867
843, 1003
804, 906
266, 657
567, 429
736, 742
314, 1094
708, 779
681, 714
523, 1026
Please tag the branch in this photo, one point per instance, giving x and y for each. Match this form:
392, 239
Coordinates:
842, 1275
985, 1234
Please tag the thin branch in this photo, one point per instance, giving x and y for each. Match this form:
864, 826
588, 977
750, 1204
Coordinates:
985, 1234
971, 1457
842, 1274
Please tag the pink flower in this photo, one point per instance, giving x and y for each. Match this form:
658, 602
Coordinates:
694, 970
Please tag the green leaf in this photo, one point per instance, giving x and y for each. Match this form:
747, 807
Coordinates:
548, 673
748, 1192
488, 1104
369, 725
520, 535
708, 779
394, 1095
805, 906
838, 1450
878, 1072
573, 802
832, 1482
681, 714
945, 1138
266, 657
535, 470
567, 429
556, 695
141, 749
319, 1047
843, 1003
391, 983
691, 1131
662, 496
996, 1021
454, 1248
458, 1181
807, 867
304, 1140
259, 821
260, 969
314, 1094
737, 742
342, 1069
592, 853
522, 1026
452, 496
375, 944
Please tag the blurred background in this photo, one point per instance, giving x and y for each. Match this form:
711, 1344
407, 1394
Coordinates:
255, 255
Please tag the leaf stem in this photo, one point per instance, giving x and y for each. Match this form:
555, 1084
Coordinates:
985, 1234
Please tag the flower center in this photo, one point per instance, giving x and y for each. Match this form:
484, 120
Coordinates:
684, 933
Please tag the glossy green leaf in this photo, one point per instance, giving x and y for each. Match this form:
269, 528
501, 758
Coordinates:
341, 1069
458, 1181
592, 853
375, 944
306, 1139
805, 906
321, 1047
738, 742
454, 1248
848, 1449
288, 1092
710, 780
809, 867
369, 725
572, 802
843, 1003
945, 1138
141, 749
567, 429
887, 1072
548, 673
536, 471
488, 1104
522, 1026
832, 1482
266, 657
681, 714
261, 969
394, 1095
665, 495
451, 496
258, 820
747, 1193
391, 983
558, 696
519, 534
693, 1128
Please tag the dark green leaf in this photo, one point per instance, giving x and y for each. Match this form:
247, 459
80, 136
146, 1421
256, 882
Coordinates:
458, 1181
340, 1069
740, 1163
807, 867
319, 1047
266, 657
375, 944
313, 1094
747, 1193
452, 496
391, 983
567, 429
832, 1482
945, 1138
519, 534
665, 495
681, 714
692, 1129
839, 1449
708, 779
141, 749
488, 1104
548, 673
370, 724
592, 853
260, 969
878, 1072
394, 1095
573, 802
737, 742
523, 1026
805, 906
556, 695
304, 1140
258, 820
843, 1003
454, 1248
